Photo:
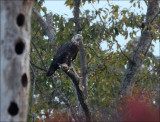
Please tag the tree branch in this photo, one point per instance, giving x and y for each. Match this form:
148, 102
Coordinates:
47, 26
76, 81
129, 59
39, 54
37, 66
139, 52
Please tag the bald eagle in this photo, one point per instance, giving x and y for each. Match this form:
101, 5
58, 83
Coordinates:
65, 54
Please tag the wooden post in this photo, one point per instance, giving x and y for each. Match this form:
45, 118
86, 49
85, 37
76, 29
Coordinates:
15, 38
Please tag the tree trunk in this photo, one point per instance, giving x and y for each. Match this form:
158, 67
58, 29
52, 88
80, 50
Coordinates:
84, 82
14, 56
140, 51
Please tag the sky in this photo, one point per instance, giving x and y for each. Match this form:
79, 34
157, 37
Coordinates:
58, 7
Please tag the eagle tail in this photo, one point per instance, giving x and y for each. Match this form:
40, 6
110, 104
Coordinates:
50, 71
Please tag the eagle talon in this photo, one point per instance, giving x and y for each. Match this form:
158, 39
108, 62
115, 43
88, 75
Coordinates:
64, 67
70, 69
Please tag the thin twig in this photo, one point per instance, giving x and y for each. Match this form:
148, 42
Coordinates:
38, 66
129, 59
39, 54
154, 17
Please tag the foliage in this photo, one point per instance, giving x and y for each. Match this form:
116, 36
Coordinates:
139, 108
105, 68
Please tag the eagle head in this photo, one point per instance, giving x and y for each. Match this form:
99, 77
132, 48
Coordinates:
76, 39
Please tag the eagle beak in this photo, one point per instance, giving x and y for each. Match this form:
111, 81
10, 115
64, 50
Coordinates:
80, 37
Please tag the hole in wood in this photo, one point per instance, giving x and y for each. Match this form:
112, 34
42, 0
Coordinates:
19, 47
13, 109
24, 80
20, 20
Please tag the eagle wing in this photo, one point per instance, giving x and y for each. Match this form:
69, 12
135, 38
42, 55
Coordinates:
62, 51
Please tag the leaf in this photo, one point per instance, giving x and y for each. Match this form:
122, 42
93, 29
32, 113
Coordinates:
44, 9
124, 17
133, 45
106, 16
153, 28
142, 55
71, 6
80, 4
104, 87
150, 0
107, 83
134, 4
116, 14
126, 35
108, 3
131, 35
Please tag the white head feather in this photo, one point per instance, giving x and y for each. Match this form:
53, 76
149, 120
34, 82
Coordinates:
76, 38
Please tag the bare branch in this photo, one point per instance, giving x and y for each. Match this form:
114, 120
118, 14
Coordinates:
81, 99
129, 59
155, 17
38, 66
46, 26
38, 54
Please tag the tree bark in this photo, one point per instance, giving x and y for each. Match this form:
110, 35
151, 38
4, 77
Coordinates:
140, 51
81, 48
14, 69
80, 95
82, 61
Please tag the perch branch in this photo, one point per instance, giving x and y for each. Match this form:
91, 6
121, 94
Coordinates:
81, 99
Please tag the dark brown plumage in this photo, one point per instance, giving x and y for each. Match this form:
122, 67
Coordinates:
65, 54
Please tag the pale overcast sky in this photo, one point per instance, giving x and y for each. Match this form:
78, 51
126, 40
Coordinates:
58, 7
